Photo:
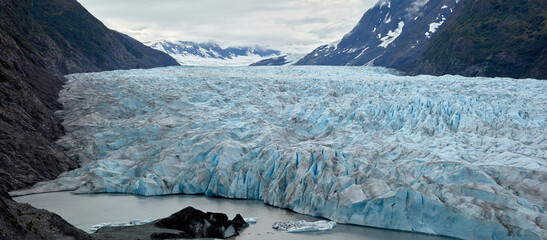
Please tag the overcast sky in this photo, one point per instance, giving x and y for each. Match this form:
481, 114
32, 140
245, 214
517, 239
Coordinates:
287, 25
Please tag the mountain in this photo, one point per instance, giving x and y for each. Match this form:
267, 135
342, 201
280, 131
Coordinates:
490, 38
211, 54
287, 59
389, 34
466, 37
40, 41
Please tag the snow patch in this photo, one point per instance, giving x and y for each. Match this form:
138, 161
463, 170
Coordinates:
334, 44
392, 35
434, 26
362, 52
384, 3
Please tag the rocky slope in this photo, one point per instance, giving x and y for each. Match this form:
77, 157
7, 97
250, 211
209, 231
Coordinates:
465, 37
389, 34
490, 38
40, 41
22, 221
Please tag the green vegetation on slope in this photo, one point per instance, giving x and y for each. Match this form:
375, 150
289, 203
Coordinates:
495, 38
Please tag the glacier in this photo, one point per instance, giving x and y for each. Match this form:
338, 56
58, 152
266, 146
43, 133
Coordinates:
452, 156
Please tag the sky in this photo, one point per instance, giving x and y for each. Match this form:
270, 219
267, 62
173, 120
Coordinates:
294, 26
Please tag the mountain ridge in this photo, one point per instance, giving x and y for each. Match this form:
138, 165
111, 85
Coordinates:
211, 54
389, 34
489, 38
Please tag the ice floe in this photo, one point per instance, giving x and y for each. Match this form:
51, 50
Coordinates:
304, 226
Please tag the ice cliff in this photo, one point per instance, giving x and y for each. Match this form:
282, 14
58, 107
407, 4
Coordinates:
453, 156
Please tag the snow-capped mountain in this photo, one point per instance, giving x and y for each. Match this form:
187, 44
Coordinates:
211, 54
286, 59
389, 34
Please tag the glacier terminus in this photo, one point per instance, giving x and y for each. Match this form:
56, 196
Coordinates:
452, 156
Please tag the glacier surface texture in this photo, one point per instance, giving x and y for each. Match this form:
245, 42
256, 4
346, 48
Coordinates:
304, 226
453, 156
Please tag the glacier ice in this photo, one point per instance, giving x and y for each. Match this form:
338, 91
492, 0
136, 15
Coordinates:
251, 220
134, 222
453, 156
304, 226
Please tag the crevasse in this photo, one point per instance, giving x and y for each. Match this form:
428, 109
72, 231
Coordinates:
453, 156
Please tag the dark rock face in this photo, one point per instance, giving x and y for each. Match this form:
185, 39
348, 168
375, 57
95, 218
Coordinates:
186, 223
468, 37
239, 222
86, 44
40, 41
490, 38
22, 221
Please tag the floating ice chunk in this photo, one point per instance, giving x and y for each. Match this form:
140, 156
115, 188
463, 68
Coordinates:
251, 220
133, 222
304, 226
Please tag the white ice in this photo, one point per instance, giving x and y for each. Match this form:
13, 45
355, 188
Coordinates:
454, 156
251, 220
193, 60
304, 226
133, 222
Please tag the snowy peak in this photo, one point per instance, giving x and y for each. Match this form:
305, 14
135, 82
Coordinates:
211, 54
388, 34
286, 59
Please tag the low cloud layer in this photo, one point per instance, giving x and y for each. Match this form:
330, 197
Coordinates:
288, 25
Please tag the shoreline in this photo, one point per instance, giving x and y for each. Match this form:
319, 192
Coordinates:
150, 204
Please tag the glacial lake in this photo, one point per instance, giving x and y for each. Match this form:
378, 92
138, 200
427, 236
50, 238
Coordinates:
86, 210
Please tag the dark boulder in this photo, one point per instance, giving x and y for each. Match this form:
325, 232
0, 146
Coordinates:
186, 223
196, 224
239, 222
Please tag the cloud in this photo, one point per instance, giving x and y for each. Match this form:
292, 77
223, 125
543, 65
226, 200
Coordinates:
289, 25
415, 8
